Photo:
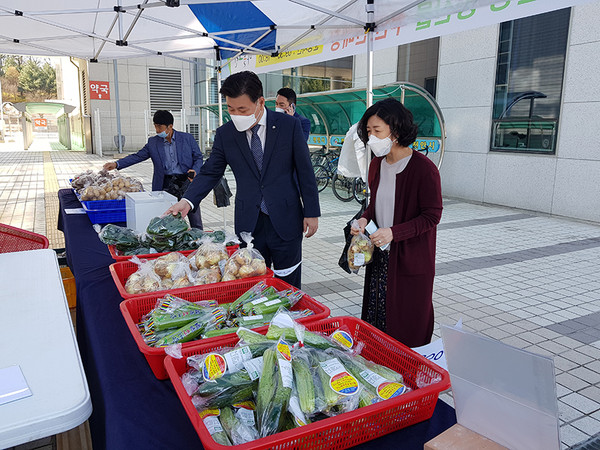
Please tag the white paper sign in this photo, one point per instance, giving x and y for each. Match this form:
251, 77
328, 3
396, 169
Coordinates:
434, 351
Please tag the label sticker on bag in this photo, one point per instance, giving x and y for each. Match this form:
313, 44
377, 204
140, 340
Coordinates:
259, 300
372, 378
341, 381
246, 416
252, 318
213, 425
235, 358
273, 302
343, 338
359, 259
287, 375
390, 389
214, 367
254, 367
284, 349
344, 383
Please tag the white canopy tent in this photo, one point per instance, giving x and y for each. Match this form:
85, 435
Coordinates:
261, 35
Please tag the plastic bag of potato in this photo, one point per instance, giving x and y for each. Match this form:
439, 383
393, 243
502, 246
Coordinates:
245, 262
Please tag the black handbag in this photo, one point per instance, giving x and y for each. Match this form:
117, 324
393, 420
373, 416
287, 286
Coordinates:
343, 262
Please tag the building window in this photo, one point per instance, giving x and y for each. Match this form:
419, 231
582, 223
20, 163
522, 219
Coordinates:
418, 63
529, 78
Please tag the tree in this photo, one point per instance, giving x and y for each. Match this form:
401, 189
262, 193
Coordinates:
10, 85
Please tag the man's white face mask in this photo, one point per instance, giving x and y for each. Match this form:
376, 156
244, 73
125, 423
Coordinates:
242, 123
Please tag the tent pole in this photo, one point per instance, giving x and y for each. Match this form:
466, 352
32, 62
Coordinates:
118, 106
369, 27
219, 96
369, 30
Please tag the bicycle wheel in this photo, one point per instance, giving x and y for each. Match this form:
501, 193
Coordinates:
322, 177
359, 189
342, 188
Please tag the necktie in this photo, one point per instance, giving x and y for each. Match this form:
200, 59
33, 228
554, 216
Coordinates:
257, 153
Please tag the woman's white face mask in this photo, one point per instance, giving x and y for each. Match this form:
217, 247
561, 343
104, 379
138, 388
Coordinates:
242, 123
379, 147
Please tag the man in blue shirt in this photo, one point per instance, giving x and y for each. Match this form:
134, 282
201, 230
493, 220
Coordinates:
176, 158
285, 102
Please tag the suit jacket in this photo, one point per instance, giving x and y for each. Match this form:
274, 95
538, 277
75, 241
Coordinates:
305, 125
189, 156
286, 157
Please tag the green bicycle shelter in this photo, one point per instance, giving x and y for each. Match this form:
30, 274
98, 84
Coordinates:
332, 113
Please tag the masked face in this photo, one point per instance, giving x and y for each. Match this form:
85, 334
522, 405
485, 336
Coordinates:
380, 147
162, 130
239, 107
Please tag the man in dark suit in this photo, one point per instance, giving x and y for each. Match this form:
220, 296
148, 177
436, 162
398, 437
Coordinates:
286, 103
267, 154
176, 158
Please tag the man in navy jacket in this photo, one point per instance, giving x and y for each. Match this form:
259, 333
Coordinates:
276, 192
176, 158
286, 103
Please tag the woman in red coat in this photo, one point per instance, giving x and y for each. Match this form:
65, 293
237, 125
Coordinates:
406, 205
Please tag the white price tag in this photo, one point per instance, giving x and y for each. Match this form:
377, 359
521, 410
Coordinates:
213, 425
246, 416
259, 300
359, 259
273, 302
254, 367
252, 318
235, 359
332, 367
372, 378
287, 375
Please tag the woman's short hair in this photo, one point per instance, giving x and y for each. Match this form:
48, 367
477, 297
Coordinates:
394, 114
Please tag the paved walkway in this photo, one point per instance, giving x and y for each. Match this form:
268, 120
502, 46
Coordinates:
526, 279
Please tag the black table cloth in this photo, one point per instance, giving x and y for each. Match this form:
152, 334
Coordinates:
131, 408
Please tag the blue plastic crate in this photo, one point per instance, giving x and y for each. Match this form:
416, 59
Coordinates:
106, 211
103, 204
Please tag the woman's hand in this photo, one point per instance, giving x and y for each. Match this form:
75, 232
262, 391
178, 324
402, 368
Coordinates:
362, 223
382, 236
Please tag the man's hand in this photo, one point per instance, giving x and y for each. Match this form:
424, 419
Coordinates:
311, 224
290, 110
110, 166
362, 223
182, 206
191, 174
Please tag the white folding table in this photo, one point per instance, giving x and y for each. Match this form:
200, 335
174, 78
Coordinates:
37, 335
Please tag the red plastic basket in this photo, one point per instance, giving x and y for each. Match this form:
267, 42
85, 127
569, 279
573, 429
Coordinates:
114, 253
348, 429
121, 270
133, 310
17, 240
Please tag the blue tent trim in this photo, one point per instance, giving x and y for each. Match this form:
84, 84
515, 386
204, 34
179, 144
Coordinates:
216, 17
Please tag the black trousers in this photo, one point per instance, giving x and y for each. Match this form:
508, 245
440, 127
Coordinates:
281, 254
177, 185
